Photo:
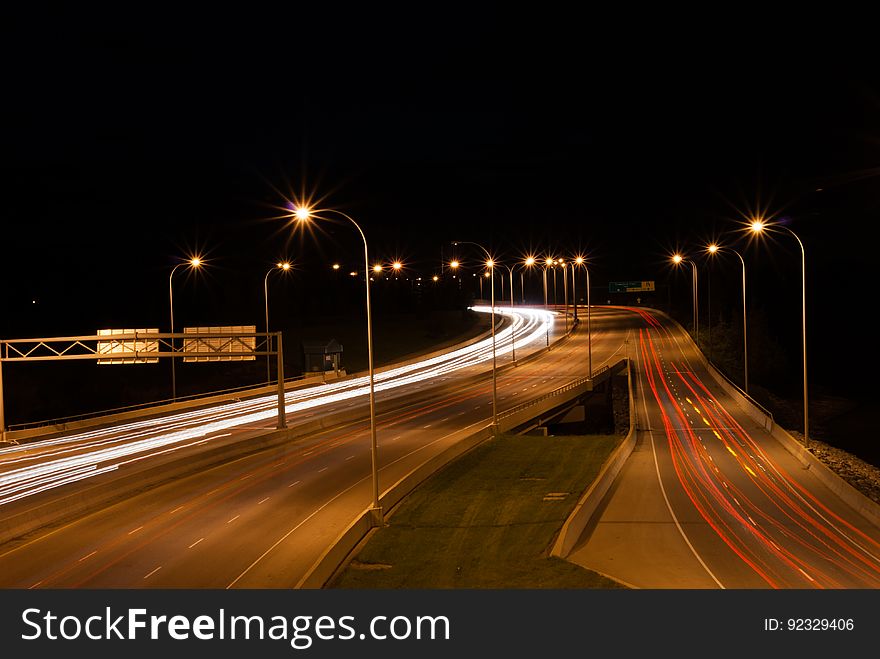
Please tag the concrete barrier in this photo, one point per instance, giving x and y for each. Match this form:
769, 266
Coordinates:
586, 506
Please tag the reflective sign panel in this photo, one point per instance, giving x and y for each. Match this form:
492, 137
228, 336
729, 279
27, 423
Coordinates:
133, 349
215, 347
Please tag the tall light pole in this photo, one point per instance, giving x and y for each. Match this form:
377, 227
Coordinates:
513, 324
562, 265
757, 227
581, 261
678, 259
547, 264
715, 249
528, 263
490, 263
194, 262
285, 266
303, 214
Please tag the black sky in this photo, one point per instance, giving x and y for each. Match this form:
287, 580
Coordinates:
130, 138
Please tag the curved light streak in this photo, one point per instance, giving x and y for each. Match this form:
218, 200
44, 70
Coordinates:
56, 462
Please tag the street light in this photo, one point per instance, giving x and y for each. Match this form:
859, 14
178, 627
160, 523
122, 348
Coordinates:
580, 261
490, 263
547, 264
194, 262
757, 227
510, 269
562, 264
677, 260
304, 214
715, 249
529, 262
285, 267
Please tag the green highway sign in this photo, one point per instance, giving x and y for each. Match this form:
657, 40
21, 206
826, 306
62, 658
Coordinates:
630, 286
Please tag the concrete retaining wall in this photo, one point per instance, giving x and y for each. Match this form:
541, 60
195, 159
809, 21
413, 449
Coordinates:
586, 506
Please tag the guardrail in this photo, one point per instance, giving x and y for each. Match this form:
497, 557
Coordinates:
741, 391
139, 406
574, 384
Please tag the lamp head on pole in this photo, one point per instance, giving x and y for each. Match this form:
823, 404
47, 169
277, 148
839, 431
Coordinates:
678, 258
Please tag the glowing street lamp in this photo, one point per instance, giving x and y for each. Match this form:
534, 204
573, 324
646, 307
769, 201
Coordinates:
715, 249
303, 214
678, 259
284, 266
758, 226
491, 275
548, 263
528, 263
580, 261
193, 263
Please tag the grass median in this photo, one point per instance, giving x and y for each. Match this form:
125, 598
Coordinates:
487, 520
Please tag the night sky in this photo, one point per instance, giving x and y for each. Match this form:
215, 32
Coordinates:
130, 140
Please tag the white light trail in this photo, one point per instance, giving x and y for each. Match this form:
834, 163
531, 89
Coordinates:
25, 471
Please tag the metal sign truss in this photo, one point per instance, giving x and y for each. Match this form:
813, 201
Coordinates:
162, 345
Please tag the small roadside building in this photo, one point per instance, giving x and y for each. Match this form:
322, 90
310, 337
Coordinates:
322, 357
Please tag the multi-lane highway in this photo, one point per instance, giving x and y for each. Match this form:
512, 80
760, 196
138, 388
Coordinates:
263, 519
709, 499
